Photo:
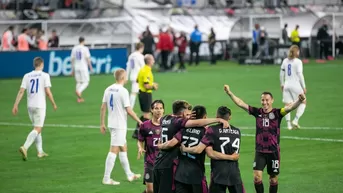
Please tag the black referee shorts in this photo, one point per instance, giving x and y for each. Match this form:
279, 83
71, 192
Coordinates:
145, 100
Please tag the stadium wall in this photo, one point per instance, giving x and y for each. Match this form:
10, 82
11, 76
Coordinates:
57, 62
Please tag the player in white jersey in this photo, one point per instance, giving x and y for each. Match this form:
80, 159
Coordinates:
134, 63
81, 61
116, 100
37, 83
292, 84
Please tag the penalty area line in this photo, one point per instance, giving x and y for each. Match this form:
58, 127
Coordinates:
131, 129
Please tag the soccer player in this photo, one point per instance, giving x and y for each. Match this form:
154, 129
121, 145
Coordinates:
222, 146
267, 148
148, 136
37, 83
116, 100
134, 64
81, 61
146, 85
292, 84
171, 124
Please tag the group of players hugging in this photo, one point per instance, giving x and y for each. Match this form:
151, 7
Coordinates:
174, 147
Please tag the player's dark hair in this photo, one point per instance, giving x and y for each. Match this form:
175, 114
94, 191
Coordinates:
268, 93
180, 105
81, 39
156, 102
200, 111
11, 27
37, 61
139, 45
223, 112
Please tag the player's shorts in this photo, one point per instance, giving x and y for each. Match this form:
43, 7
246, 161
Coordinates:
191, 188
290, 94
163, 180
118, 137
145, 100
272, 160
148, 173
81, 75
134, 87
37, 116
220, 188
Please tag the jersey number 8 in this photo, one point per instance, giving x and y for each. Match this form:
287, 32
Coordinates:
289, 70
226, 140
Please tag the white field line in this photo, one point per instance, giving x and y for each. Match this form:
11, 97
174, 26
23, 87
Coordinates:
131, 129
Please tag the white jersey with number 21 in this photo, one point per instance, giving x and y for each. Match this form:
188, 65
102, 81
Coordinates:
35, 83
117, 99
293, 69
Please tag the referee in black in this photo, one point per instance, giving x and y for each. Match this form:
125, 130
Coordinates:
146, 85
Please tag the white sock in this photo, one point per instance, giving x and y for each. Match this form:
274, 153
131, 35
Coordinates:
288, 120
82, 87
30, 139
78, 85
132, 100
109, 165
39, 143
125, 163
300, 112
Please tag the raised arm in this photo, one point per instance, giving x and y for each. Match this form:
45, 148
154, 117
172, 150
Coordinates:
239, 102
220, 156
293, 106
204, 122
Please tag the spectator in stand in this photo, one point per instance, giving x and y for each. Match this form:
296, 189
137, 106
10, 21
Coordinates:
211, 44
173, 53
42, 43
8, 39
263, 44
285, 35
25, 41
181, 43
195, 42
53, 40
255, 35
33, 35
165, 45
149, 42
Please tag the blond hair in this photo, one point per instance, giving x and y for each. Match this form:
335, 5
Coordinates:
293, 52
119, 74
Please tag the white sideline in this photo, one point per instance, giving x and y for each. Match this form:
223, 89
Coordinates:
248, 135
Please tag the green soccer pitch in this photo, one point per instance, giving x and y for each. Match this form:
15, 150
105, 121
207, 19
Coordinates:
311, 158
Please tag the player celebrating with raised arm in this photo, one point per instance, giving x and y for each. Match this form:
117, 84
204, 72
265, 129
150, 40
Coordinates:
222, 146
134, 64
148, 136
81, 61
267, 148
171, 124
292, 84
116, 100
37, 83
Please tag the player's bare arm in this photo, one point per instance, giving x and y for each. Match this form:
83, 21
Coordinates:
102, 118
72, 62
195, 149
17, 100
282, 77
133, 115
220, 156
51, 97
204, 122
168, 144
239, 102
150, 87
141, 150
295, 105
89, 61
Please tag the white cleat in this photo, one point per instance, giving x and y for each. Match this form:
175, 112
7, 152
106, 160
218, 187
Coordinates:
110, 182
23, 152
290, 128
133, 177
295, 125
41, 155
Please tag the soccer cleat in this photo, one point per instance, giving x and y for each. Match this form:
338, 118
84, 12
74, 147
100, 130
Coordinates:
133, 177
110, 182
41, 155
23, 152
295, 125
80, 100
